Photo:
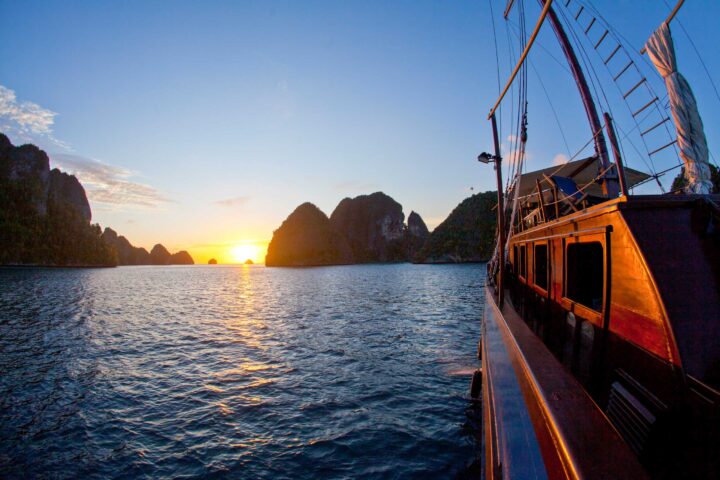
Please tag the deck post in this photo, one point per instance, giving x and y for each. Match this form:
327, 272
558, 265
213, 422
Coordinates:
500, 213
616, 153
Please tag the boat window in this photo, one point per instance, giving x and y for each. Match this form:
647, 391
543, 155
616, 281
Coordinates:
541, 266
515, 260
584, 277
522, 262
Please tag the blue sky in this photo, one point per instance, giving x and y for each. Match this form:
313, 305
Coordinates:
204, 124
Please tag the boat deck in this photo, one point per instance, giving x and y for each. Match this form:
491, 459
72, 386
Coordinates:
552, 402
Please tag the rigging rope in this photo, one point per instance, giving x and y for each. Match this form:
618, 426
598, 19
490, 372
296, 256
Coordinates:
497, 65
656, 104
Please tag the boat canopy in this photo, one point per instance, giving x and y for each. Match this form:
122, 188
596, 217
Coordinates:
581, 171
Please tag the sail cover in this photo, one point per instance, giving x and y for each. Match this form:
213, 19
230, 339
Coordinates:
691, 137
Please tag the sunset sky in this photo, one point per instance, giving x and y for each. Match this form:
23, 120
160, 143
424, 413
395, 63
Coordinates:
202, 125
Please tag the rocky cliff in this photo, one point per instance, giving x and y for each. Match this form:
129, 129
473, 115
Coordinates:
127, 254
416, 234
159, 255
306, 238
66, 190
373, 226
131, 255
181, 258
466, 235
44, 214
368, 228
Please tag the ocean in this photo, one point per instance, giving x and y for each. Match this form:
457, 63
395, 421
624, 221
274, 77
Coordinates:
239, 372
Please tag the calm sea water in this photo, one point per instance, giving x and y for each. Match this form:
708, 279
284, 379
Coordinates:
238, 372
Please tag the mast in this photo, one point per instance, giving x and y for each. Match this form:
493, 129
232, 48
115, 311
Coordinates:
609, 186
501, 214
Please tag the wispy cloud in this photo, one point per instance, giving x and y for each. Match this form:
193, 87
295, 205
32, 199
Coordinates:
233, 202
560, 159
108, 184
27, 121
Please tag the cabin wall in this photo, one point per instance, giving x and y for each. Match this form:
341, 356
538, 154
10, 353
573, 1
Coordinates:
682, 247
636, 312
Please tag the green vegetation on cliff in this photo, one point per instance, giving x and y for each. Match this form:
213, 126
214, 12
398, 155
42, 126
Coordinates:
44, 214
466, 235
60, 237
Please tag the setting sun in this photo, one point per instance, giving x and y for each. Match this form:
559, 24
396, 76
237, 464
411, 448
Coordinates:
243, 252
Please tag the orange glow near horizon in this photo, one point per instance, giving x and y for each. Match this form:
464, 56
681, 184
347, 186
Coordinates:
246, 251
231, 252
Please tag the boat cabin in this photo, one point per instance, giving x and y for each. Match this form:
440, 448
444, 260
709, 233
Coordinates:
625, 293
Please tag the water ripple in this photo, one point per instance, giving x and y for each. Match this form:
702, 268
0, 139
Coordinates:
248, 372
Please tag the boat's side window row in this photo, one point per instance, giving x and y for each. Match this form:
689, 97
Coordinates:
584, 263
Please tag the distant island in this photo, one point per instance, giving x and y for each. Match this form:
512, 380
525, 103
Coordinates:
249, 262
364, 229
130, 255
371, 228
45, 219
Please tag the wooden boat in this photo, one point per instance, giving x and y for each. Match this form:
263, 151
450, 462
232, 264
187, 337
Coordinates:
601, 335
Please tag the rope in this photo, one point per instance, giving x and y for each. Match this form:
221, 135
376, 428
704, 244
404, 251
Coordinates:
497, 62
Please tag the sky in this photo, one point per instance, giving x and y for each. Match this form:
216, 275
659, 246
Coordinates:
202, 125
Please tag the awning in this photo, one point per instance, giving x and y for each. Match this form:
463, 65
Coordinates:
581, 171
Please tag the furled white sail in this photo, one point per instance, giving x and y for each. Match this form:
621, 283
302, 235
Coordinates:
691, 137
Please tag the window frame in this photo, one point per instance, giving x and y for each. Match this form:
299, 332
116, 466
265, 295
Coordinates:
548, 277
584, 311
522, 262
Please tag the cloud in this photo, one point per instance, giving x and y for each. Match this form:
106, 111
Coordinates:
108, 184
560, 159
513, 156
105, 184
233, 202
27, 121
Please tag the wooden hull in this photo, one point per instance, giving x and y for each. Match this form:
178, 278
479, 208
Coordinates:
611, 327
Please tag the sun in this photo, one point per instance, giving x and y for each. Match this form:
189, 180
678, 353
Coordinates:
241, 253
